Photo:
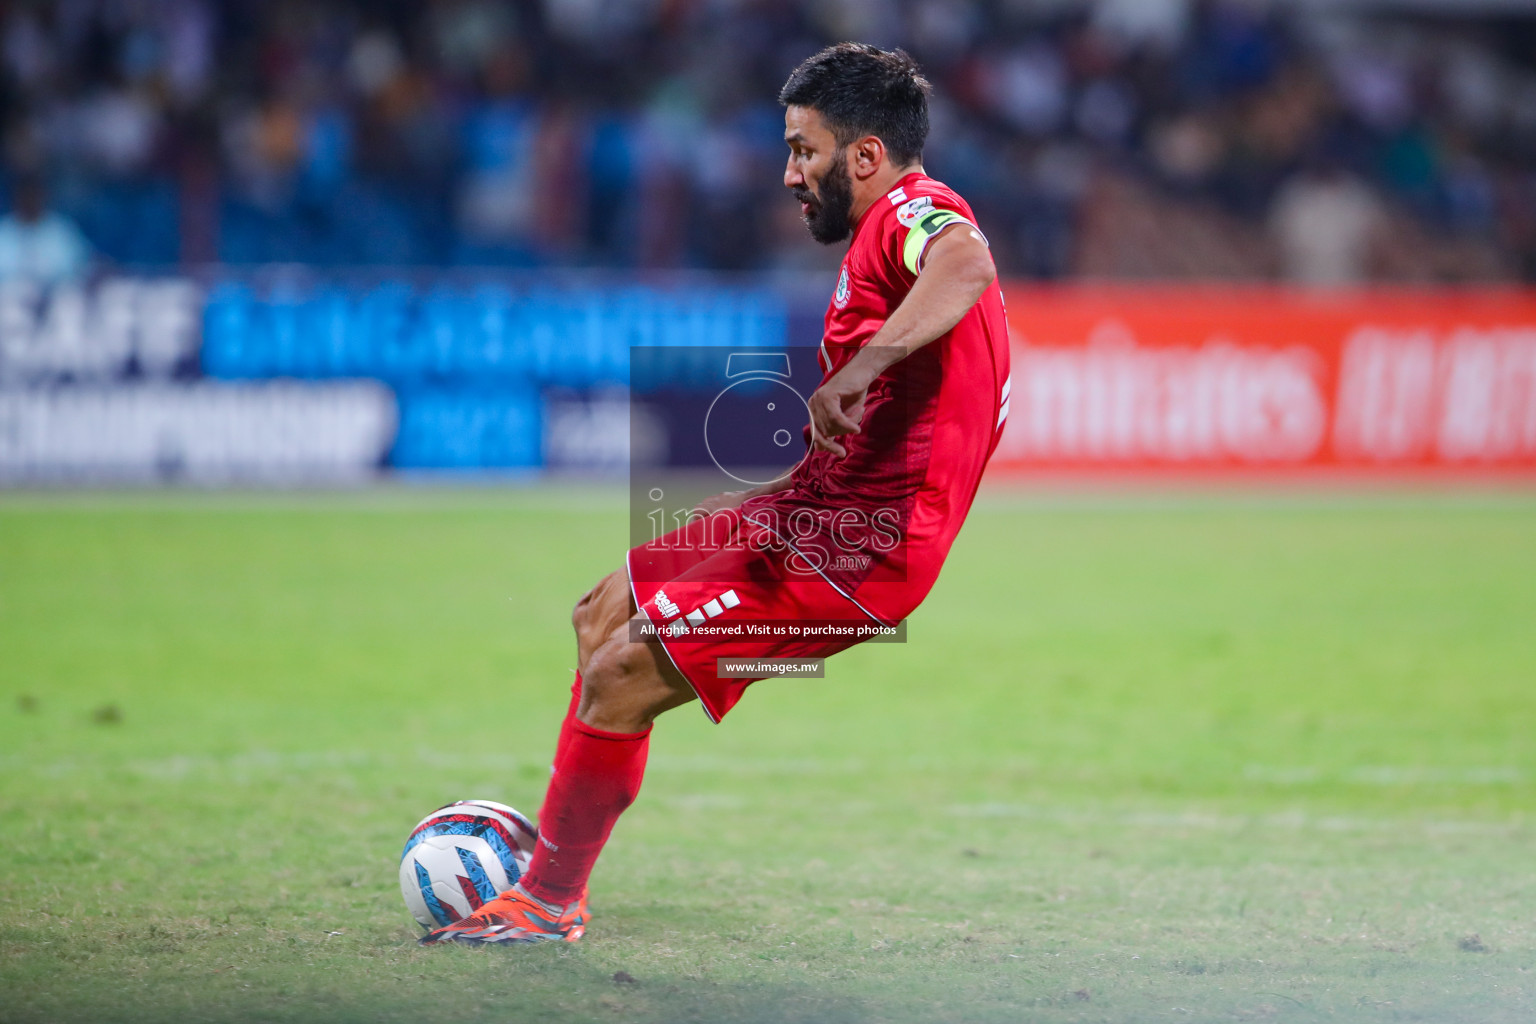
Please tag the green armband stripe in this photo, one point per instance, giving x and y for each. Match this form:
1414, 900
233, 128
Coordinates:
922, 233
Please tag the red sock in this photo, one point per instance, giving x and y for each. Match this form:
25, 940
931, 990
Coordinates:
564, 739
565, 723
597, 775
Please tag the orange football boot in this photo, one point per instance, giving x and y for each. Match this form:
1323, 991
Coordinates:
515, 916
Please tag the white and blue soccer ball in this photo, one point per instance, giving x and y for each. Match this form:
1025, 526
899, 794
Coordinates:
461, 856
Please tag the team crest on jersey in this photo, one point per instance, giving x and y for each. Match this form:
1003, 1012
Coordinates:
844, 287
910, 211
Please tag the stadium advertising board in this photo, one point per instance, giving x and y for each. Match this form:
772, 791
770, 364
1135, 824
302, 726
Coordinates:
1231, 380
102, 383
284, 376
241, 378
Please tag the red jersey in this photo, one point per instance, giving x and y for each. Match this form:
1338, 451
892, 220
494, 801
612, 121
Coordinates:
878, 523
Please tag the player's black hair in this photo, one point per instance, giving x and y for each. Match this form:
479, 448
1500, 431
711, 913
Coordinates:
861, 90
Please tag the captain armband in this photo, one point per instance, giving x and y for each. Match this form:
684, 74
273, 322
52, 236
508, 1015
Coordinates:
925, 230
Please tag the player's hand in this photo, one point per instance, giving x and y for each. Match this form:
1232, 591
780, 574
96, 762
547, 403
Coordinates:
837, 409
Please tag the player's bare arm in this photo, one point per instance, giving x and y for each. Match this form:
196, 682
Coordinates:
956, 269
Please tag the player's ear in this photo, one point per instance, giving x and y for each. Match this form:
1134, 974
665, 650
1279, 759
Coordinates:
868, 156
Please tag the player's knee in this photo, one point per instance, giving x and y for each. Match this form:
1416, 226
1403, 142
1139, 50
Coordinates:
613, 668
589, 620
581, 614
600, 610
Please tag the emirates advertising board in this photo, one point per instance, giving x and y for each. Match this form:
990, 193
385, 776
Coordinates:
1236, 382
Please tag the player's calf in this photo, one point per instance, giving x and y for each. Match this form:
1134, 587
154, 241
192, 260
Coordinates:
599, 763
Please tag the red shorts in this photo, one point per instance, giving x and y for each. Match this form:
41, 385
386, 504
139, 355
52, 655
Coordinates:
723, 588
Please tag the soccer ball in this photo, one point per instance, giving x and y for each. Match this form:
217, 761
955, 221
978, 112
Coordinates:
461, 856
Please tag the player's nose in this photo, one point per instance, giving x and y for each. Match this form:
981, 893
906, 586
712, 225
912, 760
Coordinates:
792, 176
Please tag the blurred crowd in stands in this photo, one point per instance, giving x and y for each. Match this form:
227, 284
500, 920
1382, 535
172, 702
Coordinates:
1101, 138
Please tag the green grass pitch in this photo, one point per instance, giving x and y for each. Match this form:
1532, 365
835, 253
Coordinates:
1183, 759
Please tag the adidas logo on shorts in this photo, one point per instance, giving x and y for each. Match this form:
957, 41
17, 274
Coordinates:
709, 609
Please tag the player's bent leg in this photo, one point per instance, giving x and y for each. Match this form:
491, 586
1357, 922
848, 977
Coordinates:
597, 774
626, 685
599, 613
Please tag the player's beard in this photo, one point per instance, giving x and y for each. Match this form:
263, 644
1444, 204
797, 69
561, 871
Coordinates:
829, 216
